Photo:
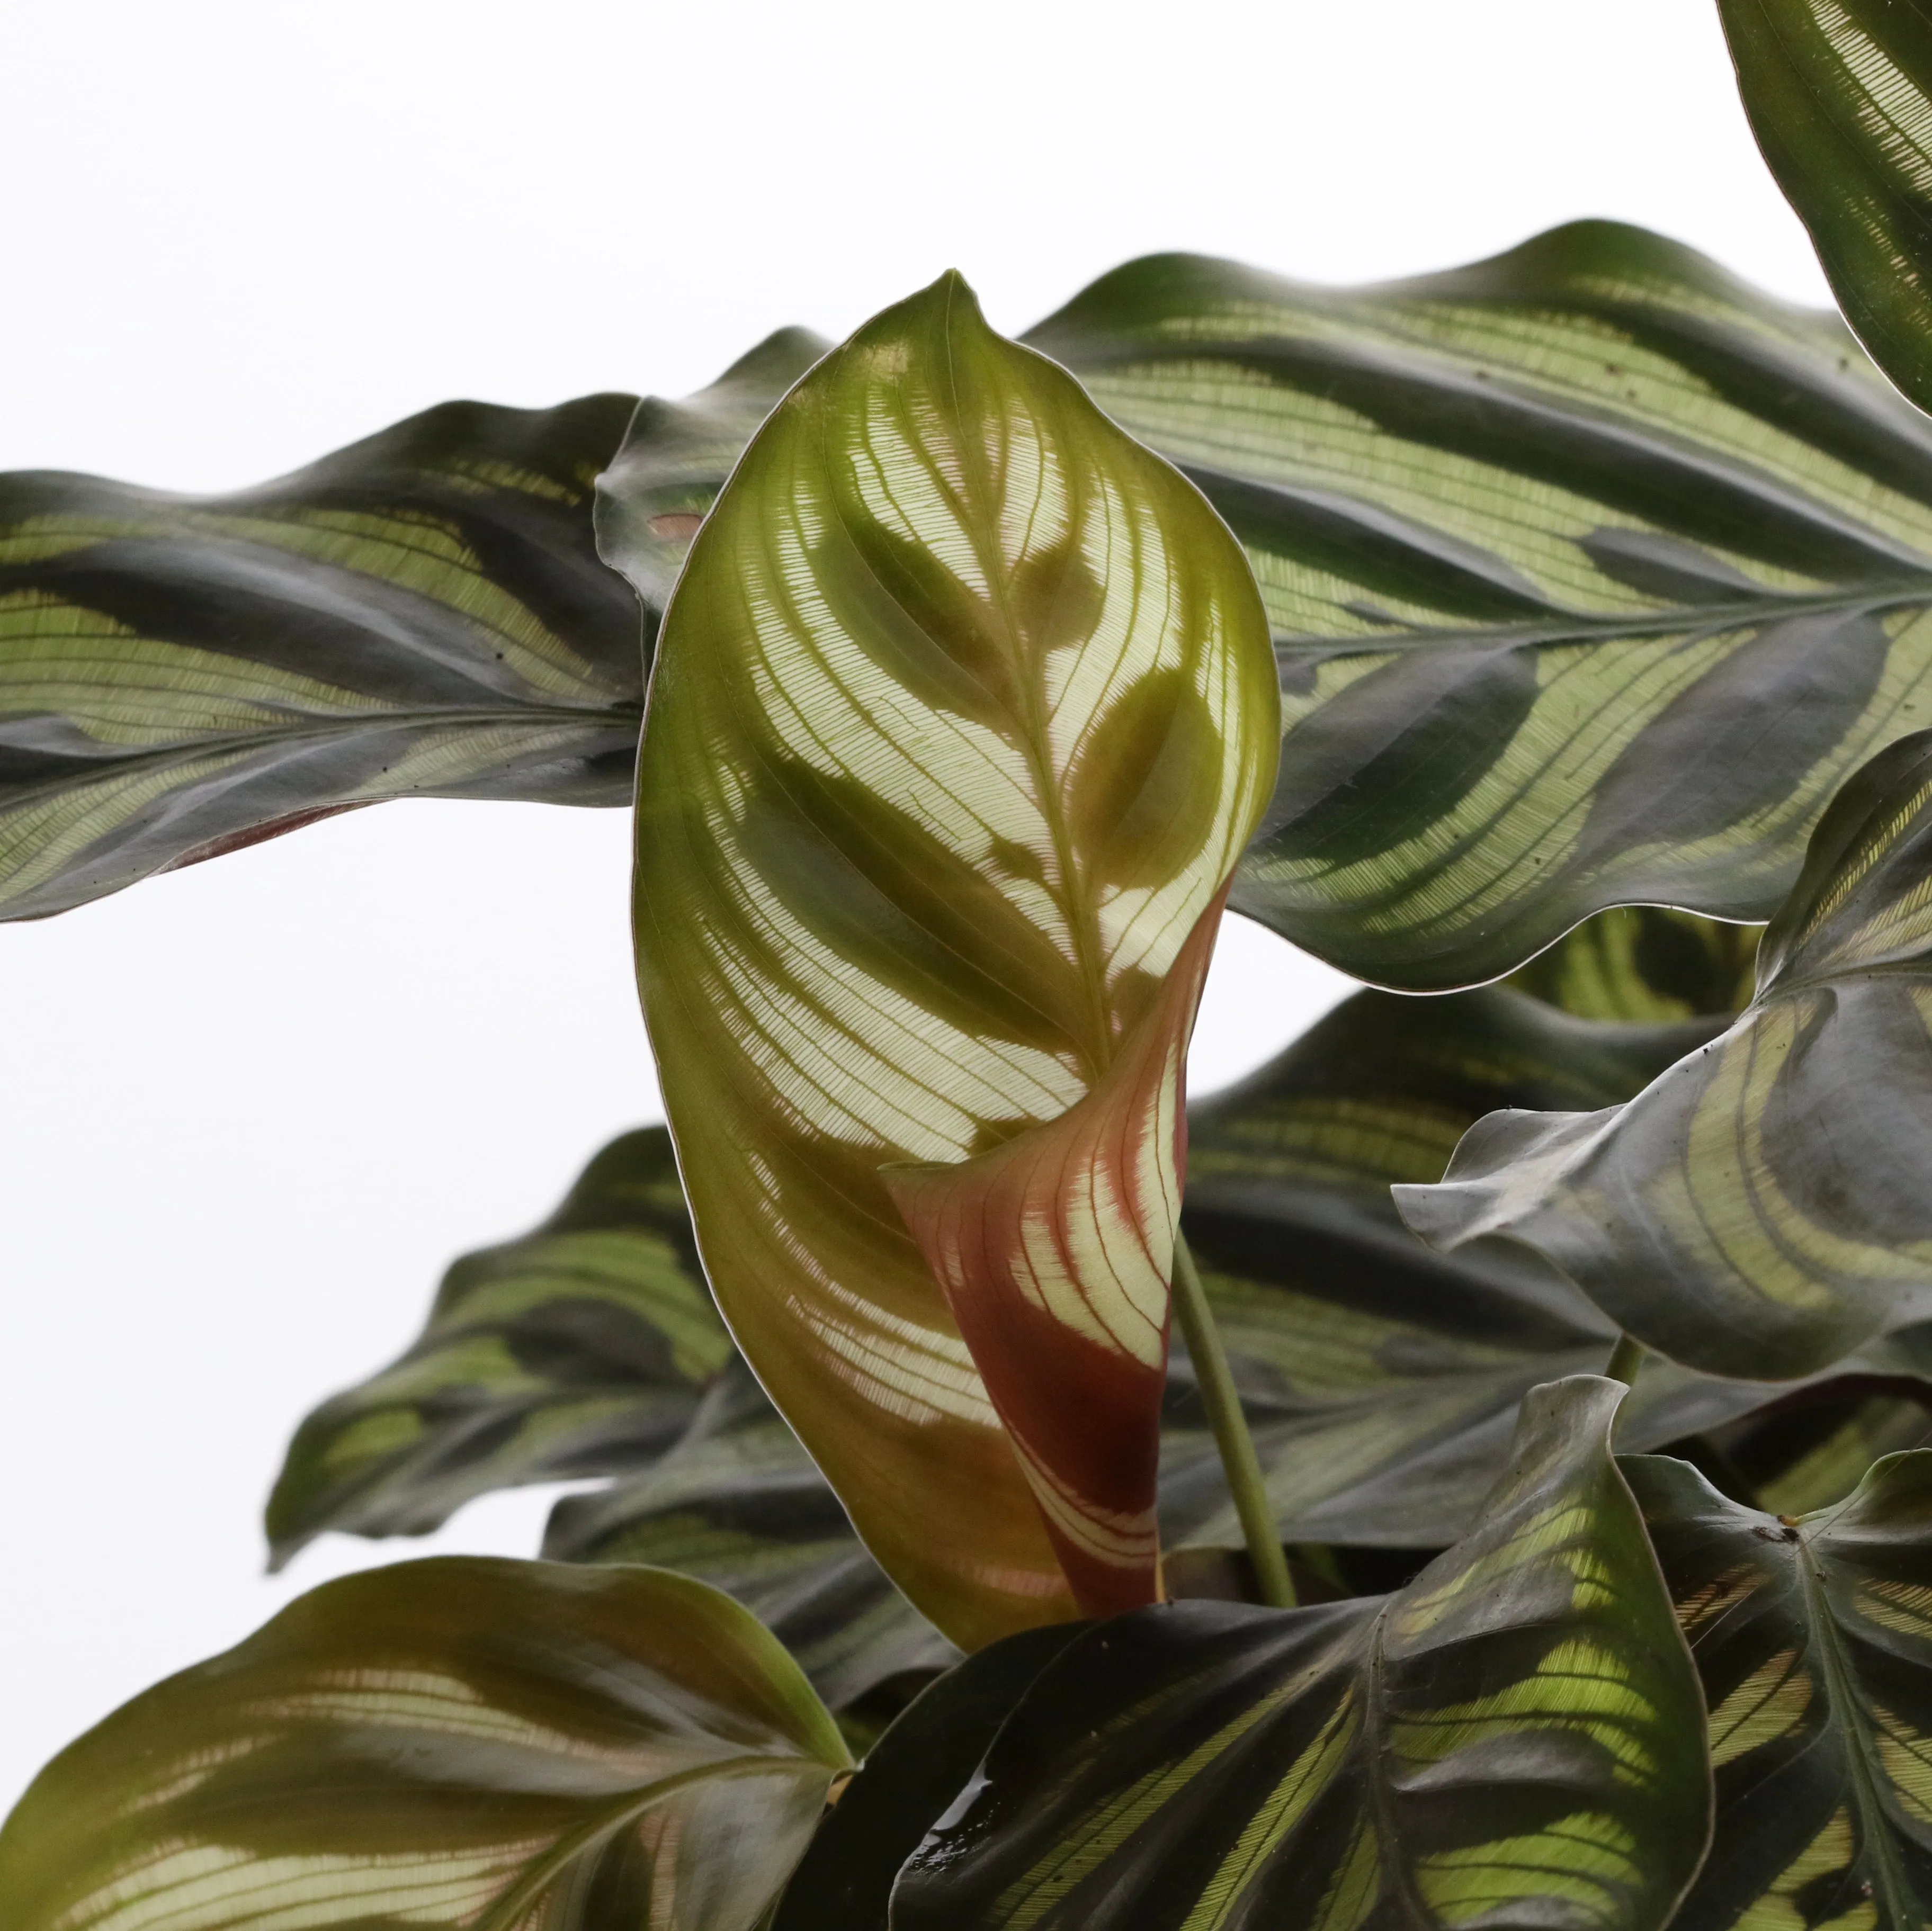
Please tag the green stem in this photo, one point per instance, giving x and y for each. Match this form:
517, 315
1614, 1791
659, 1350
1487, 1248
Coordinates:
1626, 1358
1238, 1458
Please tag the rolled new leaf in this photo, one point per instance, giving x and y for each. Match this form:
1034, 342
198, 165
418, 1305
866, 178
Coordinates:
1840, 97
963, 710
1813, 1640
460, 1743
1517, 1737
1766, 1205
1593, 572
421, 614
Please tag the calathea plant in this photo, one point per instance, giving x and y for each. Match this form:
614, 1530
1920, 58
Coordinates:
1466, 1474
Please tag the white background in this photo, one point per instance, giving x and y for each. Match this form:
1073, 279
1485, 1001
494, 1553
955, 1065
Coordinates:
247, 1112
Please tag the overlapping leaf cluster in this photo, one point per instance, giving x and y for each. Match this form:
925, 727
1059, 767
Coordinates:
1595, 584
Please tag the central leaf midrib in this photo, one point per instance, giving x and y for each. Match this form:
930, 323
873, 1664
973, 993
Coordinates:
1875, 1836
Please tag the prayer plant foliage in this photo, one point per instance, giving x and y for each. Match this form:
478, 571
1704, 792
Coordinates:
1420, 622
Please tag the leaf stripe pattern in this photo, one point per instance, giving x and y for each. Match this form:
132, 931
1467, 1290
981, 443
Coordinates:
1593, 575
1840, 97
1515, 1737
1813, 1639
1761, 1208
962, 713
461, 1743
421, 614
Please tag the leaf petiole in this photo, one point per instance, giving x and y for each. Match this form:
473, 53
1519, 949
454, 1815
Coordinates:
1626, 1359
1241, 1463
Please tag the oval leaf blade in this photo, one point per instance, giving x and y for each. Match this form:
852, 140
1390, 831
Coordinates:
1840, 97
1766, 1205
1593, 573
1517, 1737
1814, 1645
422, 614
963, 709
459, 1743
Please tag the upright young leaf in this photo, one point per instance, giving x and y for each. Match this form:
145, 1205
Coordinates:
422, 614
1840, 97
963, 710
1813, 1639
1593, 573
583, 1348
1766, 1205
462, 1742
1516, 1738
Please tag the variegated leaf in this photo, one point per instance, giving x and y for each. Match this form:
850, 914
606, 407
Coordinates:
422, 614
584, 1348
739, 1503
1813, 1640
1646, 962
961, 713
461, 1743
1593, 574
1840, 97
1515, 1737
1766, 1205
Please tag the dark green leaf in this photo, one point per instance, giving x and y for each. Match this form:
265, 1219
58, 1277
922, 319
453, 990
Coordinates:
1812, 1449
1840, 97
1765, 1206
1813, 1639
844, 1881
1593, 574
582, 1349
490, 1746
422, 614
1646, 963
1516, 1738
739, 1503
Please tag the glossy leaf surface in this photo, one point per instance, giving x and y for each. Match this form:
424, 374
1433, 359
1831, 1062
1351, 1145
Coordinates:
739, 1503
422, 614
1593, 573
844, 1881
1813, 1639
584, 1348
961, 713
1766, 1205
461, 1743
1517, 1737
1840, 97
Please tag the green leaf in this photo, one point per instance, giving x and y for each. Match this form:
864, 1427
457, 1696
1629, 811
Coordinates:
582, 1349
676, 455
1593, 574
479, 1744
962, 711
1516, 1738
1646, 963
1810, 1451
422, 614
739, 1503
1840, 97
1765, 1206
1813, 1639
845, 1880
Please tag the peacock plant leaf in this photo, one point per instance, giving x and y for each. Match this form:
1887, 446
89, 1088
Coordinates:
462, 1743
422, 614
1593, 573
1646, 964
1840, 97
1814, 1642
1517, 1737
1766, 1205
739, 1503
583, 1348
963, 709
